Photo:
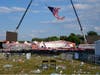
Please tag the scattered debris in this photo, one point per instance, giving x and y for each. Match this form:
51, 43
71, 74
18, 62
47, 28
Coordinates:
7, 66
82, 63
36, 71
28, 56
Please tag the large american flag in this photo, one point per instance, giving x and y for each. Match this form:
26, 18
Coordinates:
54, 11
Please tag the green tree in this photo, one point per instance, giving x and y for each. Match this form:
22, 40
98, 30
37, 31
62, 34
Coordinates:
73, 38
92, 36
63, 38
81, 38
91, 33
52, 38
37, 39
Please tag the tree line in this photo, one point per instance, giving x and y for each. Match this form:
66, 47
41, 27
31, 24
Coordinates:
76, 38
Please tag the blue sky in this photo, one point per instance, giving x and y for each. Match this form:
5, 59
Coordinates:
39, 21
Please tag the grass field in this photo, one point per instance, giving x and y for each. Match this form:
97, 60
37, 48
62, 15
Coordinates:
18, 64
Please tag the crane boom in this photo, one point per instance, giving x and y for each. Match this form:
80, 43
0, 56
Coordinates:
23, 15
85, 40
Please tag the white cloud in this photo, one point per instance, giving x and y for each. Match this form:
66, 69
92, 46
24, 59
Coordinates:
50, 22
82, 6
35, 11
57, 21
52, 0
93, 0
32, 35
97, 29
18, 9
4, 9
35, 4
79, 6
38, 31
2, 35
72, 26
26, 36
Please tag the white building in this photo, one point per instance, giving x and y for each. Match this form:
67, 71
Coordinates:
87, 46
17, 46
56, 44
97, 48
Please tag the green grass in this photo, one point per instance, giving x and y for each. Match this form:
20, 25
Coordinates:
28, 66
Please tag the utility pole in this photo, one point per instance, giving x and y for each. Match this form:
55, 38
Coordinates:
85, 40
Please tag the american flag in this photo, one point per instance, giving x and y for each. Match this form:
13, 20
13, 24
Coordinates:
54, 11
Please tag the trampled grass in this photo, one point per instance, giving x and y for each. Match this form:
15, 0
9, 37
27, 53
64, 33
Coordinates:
20, 65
